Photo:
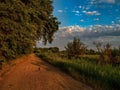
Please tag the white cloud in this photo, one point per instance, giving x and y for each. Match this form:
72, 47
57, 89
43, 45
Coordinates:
81, 20
112, 22
76, 11
77, 14
106, 33
71, 29
60, 11
91, 12
84, 11
96, 19
87, 8
79, 6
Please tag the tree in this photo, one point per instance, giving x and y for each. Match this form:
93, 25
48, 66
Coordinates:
54, 49
75, 48
107, 54
22, 23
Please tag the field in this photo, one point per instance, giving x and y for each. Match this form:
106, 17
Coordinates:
86, 69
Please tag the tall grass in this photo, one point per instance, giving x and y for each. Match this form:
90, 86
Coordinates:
106, 76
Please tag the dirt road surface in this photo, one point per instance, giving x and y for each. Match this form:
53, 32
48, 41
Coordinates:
35, 74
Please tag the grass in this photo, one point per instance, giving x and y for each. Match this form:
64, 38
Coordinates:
100, 77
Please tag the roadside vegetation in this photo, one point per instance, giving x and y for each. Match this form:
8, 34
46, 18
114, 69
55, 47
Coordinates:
99, 69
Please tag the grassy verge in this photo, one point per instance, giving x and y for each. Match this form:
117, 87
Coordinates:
100, 77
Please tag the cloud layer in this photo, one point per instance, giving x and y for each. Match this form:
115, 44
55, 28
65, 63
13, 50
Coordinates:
106, 33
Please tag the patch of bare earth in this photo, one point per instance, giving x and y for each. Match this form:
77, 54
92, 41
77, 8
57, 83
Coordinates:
35, 74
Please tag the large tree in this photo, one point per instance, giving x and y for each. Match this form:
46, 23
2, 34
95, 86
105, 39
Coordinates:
22, 23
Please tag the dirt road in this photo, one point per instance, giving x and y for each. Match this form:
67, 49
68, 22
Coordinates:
35, 74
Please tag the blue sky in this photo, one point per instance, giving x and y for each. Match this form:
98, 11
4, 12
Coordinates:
90, 20
87, 12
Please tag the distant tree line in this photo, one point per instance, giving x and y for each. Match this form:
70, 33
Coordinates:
22, 23
50, 49
106, 53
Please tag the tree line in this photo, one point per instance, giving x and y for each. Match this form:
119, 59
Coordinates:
106, 53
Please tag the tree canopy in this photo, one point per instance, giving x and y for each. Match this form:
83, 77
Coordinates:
22, 23
76, 47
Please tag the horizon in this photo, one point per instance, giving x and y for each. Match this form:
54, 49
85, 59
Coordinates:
90, 20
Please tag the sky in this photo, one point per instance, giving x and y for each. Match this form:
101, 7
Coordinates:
87, 12
90, 20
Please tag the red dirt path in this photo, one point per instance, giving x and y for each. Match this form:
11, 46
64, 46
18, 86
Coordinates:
35, 74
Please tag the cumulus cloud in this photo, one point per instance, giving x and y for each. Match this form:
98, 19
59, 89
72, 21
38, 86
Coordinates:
106, 33
91, 12
71, 29
93, 33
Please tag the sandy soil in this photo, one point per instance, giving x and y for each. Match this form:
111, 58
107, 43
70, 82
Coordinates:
35, 74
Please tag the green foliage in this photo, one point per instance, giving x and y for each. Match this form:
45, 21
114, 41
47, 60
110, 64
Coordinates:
106, 76
22, 23
74, 48
108, 54
54, 49
42, 50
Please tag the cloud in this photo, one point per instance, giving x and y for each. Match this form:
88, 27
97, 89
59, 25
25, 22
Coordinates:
108, 1
91, 32
106, 33
71, 29
96, 19
76, 12
112, 22
91, 3
60, 11
91, 12
79, 6
81, 20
